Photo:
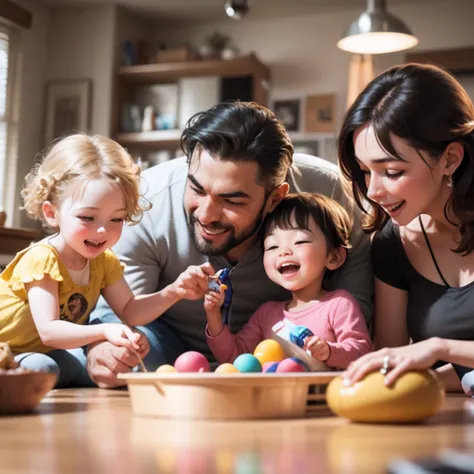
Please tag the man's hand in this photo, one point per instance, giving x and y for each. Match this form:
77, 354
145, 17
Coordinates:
318, 348
105, 361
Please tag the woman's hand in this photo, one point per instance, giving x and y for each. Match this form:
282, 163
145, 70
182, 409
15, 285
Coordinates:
396, 360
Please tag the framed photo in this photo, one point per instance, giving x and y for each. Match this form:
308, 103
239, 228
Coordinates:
67, 108
320, 113
288, 111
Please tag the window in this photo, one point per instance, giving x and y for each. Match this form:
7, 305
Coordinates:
9, 113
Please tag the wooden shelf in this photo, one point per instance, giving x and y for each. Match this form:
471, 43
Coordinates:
130, 77
163, 138
248, 65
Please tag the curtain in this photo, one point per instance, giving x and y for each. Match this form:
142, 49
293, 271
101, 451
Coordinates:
361, 72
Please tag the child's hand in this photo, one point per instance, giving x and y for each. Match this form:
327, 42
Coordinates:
318, 348
192, 284
213, 300
121, 335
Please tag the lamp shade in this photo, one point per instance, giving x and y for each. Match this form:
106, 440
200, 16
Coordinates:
377, 31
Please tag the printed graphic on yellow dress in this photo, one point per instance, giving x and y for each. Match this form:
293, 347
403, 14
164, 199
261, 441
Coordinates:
75, 308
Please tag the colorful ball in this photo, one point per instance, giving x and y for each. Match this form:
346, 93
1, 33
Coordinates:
226, 369
192, 361
247, 363
270, 367
292, 364
269, 350
165, 368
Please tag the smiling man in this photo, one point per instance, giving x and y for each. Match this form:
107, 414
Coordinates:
206, 215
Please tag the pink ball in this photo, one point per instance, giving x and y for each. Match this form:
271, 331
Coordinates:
292, 364
192, 362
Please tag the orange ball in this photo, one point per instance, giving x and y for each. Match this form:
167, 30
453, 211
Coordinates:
226, 369
269, 350
165, 368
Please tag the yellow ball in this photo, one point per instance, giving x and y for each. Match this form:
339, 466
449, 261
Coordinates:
269, 350
226, 369
165, 368
414, 396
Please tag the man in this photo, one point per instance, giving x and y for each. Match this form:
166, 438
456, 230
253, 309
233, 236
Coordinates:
206, 214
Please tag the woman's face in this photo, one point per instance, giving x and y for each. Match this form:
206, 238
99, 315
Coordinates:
404, 189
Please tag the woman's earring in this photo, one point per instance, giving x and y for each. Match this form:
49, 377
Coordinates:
450, 181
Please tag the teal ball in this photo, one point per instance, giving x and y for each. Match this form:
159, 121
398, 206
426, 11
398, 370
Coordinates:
247, 363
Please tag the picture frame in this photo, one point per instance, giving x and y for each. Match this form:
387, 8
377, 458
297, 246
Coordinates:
288, 111
320, 115
67, 108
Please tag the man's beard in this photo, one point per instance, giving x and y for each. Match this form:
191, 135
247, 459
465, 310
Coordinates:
206, 248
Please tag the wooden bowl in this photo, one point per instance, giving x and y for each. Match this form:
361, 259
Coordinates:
20, 392
227, 396
414, 396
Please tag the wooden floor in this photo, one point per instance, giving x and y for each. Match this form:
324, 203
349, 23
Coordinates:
93, 431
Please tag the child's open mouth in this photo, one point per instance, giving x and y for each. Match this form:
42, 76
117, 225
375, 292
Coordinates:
94, 245
289, 268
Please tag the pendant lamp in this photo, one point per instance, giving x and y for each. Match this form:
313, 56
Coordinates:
377, 31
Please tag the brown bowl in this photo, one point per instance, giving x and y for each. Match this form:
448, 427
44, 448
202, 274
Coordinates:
20, 392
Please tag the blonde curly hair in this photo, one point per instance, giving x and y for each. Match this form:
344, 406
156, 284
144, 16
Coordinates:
73, 161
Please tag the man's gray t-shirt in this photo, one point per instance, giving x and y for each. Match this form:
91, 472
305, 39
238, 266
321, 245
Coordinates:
159, 248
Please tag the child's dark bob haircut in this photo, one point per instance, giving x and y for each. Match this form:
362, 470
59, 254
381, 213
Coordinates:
294, 212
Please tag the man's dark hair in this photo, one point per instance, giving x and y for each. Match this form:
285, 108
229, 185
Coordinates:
242, 131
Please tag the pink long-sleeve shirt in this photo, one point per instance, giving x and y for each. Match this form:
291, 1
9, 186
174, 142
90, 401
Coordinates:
336, 318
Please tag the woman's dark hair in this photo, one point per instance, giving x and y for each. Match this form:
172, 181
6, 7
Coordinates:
295, 210
242, 131
428, 108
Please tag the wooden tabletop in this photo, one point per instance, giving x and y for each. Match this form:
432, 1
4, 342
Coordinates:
93, 431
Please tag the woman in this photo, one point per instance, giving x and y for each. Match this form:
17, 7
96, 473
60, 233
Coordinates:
407, 146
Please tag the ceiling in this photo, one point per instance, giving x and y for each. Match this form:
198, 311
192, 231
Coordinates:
202, 11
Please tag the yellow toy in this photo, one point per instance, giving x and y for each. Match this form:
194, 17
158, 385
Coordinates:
414, 396
269, 350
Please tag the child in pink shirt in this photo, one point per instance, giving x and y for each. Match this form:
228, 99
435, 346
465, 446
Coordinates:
306, 236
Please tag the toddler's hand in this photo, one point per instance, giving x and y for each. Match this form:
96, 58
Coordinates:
213, 300
121, 335
318, 348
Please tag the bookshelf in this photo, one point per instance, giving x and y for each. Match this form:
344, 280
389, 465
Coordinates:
128, 78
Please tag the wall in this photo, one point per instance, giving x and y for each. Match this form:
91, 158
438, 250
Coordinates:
81, 46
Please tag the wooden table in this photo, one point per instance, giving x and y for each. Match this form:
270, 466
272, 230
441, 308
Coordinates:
92, 431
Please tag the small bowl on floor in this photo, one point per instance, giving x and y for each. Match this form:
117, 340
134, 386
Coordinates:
22, 390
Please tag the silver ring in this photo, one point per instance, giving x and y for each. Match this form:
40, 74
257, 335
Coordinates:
385, 365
